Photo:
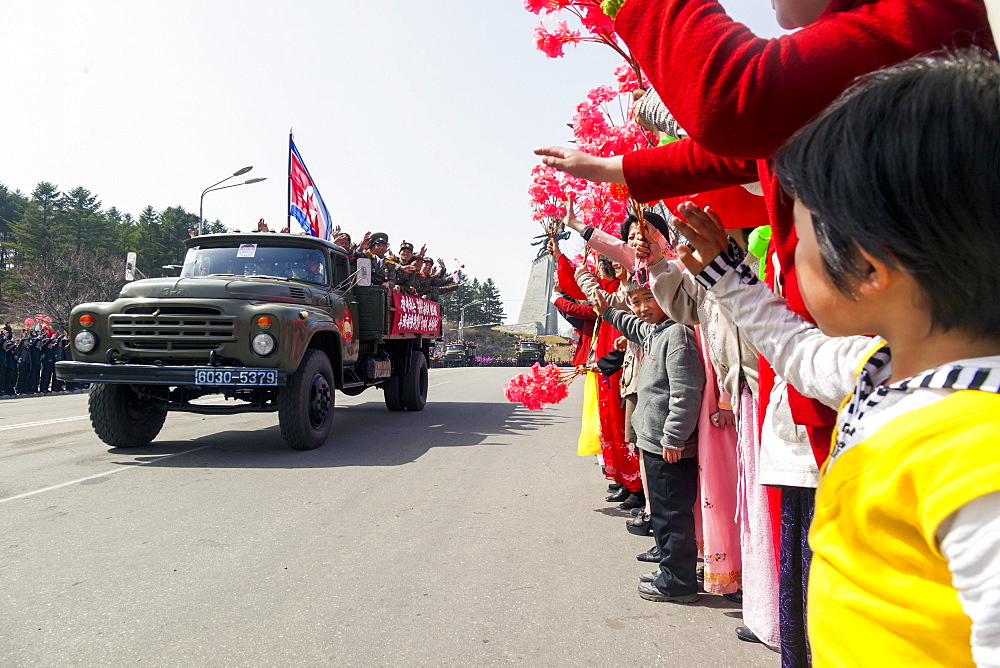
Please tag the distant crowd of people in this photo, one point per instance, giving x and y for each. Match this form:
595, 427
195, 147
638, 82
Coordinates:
28, 361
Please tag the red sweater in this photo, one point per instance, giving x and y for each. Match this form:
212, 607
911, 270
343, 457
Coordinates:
740, 96
586, 313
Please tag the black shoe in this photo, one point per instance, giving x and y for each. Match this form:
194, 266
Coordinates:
640, 525
614, 487
636, 511
651, 555
736, 597
649, 577
633, 500
651, 593
746, 635
620, 495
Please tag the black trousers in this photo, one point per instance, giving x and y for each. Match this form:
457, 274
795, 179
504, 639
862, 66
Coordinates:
24, 379
45, 378
672, 492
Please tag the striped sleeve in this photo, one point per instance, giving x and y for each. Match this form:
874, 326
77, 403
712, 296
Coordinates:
722, 264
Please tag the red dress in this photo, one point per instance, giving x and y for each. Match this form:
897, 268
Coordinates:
621, 463
740, 97
586, 313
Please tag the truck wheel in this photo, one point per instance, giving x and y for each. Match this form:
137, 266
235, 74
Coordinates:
121, 418
305, 404
393, 393
414, 383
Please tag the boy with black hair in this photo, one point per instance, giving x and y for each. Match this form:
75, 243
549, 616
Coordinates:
665, 420
897, 221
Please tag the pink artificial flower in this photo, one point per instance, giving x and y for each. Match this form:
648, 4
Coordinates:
602, 94
625, 75
549, 6
552, 43
598, 23
29, 322
537, 387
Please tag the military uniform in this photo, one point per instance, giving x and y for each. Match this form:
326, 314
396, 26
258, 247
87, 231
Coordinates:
383, 268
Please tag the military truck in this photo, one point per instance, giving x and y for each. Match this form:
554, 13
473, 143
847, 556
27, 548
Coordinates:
530, 351
460, 354
274, 323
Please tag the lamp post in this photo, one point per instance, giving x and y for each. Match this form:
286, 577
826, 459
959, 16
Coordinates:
461, 319
201, 203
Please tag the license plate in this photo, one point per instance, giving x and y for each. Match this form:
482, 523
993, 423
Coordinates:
235, 377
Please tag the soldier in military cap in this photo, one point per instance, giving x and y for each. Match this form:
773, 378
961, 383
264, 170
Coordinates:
383, 268
405, 253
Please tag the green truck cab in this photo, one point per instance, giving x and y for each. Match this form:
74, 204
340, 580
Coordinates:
460, 354
273, 322
530, 351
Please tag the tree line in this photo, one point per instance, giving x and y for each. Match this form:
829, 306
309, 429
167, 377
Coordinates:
483, 298
58, 249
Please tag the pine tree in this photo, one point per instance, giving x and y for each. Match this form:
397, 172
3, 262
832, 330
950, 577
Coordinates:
12, 206
82, 225
150, 247
33, 232
492, 306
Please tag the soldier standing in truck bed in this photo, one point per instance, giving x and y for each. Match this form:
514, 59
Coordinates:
383, 268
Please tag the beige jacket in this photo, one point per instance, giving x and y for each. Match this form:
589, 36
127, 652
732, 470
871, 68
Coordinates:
687, 302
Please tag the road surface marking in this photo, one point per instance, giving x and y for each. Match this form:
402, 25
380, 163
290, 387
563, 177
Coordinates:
99, 475
36, 424
80, 417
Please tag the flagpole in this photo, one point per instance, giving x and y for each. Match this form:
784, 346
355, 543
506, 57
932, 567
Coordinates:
288, 189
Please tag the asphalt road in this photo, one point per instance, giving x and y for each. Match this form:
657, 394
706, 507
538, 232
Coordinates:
469, 533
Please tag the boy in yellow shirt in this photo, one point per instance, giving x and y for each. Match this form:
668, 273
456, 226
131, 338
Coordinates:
897, 214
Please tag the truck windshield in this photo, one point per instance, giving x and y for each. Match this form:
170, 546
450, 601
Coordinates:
298, 264
455, 349
529, 346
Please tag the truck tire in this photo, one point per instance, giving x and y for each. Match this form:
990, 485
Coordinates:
121, 418
305, 404
393, 393
414, 383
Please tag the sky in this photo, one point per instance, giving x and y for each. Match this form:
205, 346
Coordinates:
414, 118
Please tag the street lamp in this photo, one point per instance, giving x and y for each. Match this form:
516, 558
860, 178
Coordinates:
201, 203
461, 319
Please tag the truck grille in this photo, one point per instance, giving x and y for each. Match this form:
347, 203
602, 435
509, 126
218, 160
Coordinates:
175, 327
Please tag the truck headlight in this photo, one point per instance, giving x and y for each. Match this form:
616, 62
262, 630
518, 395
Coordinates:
85, 341
263, 344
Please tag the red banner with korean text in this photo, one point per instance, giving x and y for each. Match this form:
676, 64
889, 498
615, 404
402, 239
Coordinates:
415, 315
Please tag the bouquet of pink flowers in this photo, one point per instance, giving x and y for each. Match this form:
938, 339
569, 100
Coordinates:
539, 386
596, 23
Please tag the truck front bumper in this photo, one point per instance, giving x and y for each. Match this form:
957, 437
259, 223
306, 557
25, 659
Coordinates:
149, 374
